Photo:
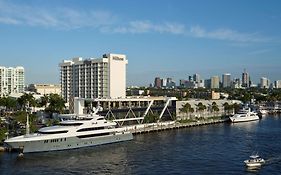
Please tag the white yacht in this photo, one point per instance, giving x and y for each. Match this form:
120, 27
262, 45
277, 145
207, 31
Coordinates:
262, 112
254, 161
244, 115
75, 133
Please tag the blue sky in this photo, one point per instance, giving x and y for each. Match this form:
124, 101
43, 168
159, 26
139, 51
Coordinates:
174, 38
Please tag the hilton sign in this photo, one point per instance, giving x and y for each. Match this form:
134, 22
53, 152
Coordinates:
118, 59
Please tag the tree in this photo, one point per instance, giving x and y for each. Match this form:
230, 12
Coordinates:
151, 118
57, 104
44, 101
215, 107
186, 108
10, 103
236, 107
201, 107
26, 100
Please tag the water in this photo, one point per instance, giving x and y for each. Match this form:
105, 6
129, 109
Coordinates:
212, 149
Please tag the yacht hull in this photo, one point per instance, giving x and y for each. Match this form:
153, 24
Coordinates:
67, 143
244, 119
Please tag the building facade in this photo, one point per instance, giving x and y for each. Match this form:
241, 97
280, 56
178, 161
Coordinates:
245, 79
157, 82
94, 78
11, 80
277, 84
264, 82
215, 82
226, 80
45, 89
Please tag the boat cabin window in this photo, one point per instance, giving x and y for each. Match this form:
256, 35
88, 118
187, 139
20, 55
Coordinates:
70, 124
93, 135
90, 129
52, 132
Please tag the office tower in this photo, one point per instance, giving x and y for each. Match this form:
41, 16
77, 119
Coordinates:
245, 79
226, 80
157, 82
215, 82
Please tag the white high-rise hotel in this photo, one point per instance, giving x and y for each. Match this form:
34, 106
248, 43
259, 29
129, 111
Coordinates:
94, 78
11, 80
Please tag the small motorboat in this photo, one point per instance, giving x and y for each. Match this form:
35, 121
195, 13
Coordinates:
254, 161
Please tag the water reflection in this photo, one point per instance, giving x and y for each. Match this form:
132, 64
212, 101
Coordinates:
93, 160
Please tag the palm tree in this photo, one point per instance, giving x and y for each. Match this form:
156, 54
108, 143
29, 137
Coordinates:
201, 107
215, 107
26, 100
44, 100
186, 108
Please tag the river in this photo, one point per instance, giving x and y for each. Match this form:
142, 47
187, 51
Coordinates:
210, 149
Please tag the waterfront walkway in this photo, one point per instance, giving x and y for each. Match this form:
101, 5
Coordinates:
162, 126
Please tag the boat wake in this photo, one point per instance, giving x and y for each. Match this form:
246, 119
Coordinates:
273, 160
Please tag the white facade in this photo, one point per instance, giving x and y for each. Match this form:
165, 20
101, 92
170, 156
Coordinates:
117, 75
264, 82
11, 80
94, 78
278, 84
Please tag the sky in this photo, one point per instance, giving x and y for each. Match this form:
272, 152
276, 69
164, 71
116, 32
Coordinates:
165, 38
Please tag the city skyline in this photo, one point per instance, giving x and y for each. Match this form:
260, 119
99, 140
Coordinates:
160, 38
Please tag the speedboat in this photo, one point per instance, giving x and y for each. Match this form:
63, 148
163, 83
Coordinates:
69, 134
254, 161
244, 115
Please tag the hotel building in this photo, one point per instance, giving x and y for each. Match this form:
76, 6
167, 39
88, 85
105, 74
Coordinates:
11, 80
94, 78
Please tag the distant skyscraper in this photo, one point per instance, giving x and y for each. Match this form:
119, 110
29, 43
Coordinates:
264, 82
277, 84
11, 80
207, 83
215, 82
196, 78
190, 78
245, 79
157, 82
164, 82
170, 83
226, 80
236, 83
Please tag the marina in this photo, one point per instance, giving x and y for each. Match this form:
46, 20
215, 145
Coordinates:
208, 149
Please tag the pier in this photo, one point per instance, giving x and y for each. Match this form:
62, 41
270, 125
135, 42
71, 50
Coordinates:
170, 125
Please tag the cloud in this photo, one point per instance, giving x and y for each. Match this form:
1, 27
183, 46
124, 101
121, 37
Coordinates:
61, 18
226, 34
105, 22
137, 27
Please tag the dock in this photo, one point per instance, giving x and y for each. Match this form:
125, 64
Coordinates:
163, 126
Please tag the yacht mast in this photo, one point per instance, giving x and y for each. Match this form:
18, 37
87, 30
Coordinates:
27, 121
